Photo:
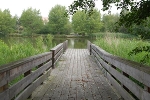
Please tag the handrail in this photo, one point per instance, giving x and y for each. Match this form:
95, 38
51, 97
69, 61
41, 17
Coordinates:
131, 79
33, 70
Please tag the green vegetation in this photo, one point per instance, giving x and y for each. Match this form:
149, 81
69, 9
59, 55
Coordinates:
58, 22
31, 21
122, 47
7, 22
132, 11
25, 49
112, 34
83, 23
134, 18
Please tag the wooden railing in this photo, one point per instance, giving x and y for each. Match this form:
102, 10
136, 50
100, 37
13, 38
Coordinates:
32, 70
131, 79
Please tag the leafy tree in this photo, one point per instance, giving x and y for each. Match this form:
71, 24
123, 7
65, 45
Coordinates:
31, 21
78, 22
68, 28
7, 22
16, 24
82, 23
142, 30
93, 22
58, 20
110, 21
137, 10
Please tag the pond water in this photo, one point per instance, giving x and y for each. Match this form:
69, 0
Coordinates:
79, 43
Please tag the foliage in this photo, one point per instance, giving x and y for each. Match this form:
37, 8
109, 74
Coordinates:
48, 41
117, 35
24, 49
57, 20
142, 30
78, 21
93, 22
87, 5
44, 30
141, 49
7, 22
82, 23
138, 10
16, 24
110, 22
31, 21
123, 47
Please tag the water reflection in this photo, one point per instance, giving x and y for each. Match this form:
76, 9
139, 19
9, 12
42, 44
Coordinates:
79, 43
72, 42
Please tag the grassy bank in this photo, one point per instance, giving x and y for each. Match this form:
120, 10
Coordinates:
19, 50
117, 35
121, 47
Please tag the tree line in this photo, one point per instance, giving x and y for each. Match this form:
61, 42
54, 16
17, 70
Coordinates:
31, 22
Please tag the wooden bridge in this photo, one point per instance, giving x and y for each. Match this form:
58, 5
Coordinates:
75, 74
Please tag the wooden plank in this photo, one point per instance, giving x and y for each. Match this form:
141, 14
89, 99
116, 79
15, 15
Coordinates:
5, 95
58, 54
57, 48
133, 87
14, 90
88, 45
27, 66
145, 96
76, 77
3, 79
18, 63
120, 90
58, 59
65, 45
136, 70
27, 92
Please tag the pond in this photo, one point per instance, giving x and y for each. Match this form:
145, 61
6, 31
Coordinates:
79, 43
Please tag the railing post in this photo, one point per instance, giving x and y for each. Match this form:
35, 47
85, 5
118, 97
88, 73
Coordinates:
53, 59
5, 86
26, 74
146, 88
89, 47
65, 45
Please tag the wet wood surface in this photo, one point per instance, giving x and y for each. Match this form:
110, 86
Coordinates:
75, 77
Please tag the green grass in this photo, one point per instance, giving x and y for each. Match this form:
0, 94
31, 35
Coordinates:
16, 51
121, 47
117, 35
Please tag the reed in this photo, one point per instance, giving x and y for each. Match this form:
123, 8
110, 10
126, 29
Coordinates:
16, 51
122, 47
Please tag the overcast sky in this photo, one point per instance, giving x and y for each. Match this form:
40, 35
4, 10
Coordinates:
17, 6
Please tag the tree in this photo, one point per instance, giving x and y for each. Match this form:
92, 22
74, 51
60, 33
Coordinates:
16, 24
78, 22
31, 20
82, 23
7, 22
110, 22
93, 22
142, 30
137, 10
58, 20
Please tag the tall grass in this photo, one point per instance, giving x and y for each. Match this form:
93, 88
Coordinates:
121, 47
117, 35
16, 51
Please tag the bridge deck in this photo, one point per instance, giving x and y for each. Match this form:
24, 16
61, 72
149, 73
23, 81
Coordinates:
75, 77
